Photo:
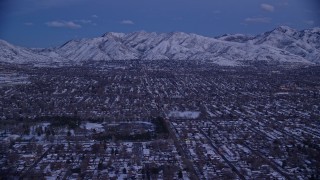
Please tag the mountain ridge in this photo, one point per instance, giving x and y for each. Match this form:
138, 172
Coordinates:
282, 44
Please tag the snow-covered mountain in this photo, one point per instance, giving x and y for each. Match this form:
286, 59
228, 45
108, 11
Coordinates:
305, 43
19, 55
283, 44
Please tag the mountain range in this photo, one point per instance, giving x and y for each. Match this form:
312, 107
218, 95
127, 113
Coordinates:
283, 45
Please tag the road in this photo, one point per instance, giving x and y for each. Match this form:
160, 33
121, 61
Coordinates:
234, 169
269, 162
35, 163
195, 174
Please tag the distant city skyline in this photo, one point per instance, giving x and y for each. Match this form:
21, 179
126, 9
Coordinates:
50, 23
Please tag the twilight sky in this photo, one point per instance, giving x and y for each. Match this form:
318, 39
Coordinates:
48, 23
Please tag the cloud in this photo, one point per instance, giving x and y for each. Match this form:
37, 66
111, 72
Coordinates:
94, 16
216, 12
64, 24
267, 7
128, 22
28, 23
283, 3
309, 22
177, 18
257, 20
83, 21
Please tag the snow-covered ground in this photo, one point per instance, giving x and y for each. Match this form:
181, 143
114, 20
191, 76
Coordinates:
184, 114
91, 126
12, 78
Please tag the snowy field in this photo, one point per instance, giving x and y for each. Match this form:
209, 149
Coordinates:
13, 79
184, 114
